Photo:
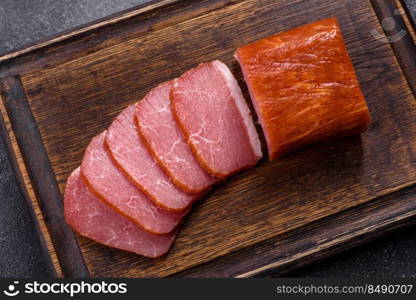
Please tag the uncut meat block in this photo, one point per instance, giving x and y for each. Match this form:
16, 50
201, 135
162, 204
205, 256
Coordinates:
130, 154
108, 183
211, 111
91, 218
303, 86
163, 138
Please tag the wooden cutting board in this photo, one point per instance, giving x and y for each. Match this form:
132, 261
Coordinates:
58, 94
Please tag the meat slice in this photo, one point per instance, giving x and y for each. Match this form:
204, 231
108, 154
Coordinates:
90, 217
163, 138
112, 186
304, 87
214, 117
131, 156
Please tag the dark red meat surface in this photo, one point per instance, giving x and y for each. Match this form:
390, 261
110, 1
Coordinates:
91, 218
131, 156
304, 87
164, 139
214, 117
107, 182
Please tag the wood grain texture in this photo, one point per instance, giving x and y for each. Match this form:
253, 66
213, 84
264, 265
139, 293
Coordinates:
49, 198
328, 236
88, 28
404, 46
48, 250
267, 218
410, 8
406, 12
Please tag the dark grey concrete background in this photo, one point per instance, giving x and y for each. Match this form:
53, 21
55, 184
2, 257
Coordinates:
412, 8
26, 21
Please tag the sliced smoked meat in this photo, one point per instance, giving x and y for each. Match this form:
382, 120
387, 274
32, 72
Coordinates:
91, 218
211, 111
161, 134
131, 156
303, 86
107, 182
